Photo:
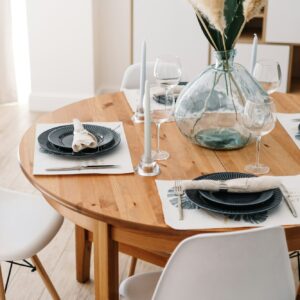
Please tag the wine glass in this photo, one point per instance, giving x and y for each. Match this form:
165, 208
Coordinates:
160, 113
167, 71
259, 118
268, 73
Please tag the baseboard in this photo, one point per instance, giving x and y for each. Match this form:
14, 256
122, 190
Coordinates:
105, 90
50, 103
39, 102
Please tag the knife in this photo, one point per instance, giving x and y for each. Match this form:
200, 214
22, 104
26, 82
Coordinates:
79, 168
288, 201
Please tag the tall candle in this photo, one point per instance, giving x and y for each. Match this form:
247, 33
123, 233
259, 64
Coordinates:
147, 125
142, 73
253, 54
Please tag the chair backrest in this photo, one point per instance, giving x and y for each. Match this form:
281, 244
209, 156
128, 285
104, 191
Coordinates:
131, 77
252, 264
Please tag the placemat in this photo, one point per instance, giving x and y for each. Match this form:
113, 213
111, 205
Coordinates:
133, 96
119, 156
196, 218
290, 123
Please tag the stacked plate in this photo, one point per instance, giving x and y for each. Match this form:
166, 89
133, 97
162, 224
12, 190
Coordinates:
227, 203
58, 140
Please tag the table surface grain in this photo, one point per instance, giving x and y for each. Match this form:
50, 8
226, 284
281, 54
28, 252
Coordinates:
133, 201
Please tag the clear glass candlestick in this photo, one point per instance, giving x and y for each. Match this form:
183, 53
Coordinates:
147, 167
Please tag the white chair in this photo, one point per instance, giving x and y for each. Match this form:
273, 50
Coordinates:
131, 77
244, 265
27, 224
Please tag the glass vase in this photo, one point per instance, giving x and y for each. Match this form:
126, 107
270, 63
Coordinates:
208, 110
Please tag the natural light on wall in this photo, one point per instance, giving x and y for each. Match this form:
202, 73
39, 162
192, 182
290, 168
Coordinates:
21, 49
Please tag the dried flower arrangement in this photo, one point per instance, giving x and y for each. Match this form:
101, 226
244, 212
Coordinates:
222, 21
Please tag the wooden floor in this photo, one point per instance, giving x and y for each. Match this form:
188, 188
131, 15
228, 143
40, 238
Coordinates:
58, 257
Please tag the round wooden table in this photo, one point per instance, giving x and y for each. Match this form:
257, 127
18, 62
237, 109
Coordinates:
123, 212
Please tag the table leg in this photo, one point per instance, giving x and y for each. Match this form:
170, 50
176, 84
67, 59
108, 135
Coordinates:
83, 254
105, 263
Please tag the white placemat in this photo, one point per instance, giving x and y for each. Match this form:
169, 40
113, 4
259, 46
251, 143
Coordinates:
119, 156
133, 97
290, 124
197, 218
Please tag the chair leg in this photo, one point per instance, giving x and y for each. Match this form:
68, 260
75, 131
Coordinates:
2, 291
45, 277
132, 266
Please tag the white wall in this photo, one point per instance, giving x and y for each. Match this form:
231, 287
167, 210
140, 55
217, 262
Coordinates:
112, 42
61, 52
170, 26
283, 21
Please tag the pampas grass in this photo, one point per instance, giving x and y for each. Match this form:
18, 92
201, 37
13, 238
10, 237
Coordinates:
252, 8
213, 10
222, 21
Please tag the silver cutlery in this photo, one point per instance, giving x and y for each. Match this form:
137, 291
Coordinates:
286, 197
179, 192
83, 167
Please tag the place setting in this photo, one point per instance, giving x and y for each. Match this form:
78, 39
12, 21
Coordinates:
230, 199
89, 148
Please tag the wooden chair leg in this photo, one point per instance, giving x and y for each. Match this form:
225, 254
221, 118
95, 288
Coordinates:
83, 247
2, 291
132, 266
45, 277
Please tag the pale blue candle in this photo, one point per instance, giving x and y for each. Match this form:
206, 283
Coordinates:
253, 54
143, 73
147, 125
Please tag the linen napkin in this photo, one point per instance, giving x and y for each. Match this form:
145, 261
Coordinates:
82, 138
239, 185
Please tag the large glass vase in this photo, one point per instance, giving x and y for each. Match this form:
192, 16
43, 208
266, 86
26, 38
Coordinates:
208, 110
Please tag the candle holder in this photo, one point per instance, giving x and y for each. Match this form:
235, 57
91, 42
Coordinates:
138, 116
147, 168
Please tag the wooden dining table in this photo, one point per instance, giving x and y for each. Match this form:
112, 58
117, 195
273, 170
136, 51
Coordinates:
124, 212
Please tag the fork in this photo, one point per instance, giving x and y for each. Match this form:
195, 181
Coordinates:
179, 192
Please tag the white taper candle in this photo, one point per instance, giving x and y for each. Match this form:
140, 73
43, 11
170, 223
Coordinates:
143, 73
147, 125
253, 54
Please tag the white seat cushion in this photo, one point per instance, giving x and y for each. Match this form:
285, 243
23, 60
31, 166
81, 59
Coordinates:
139, 286
27, 224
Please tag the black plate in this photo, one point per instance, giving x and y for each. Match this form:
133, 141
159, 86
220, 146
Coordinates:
62, 136
200, 201
52, 149
161, 98
196, 198
234, 199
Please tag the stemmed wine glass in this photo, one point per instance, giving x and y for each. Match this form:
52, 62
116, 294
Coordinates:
259, 119
268, 73
167, 71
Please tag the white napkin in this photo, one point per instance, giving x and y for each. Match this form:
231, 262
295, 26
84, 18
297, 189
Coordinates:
82, 138
240, 185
